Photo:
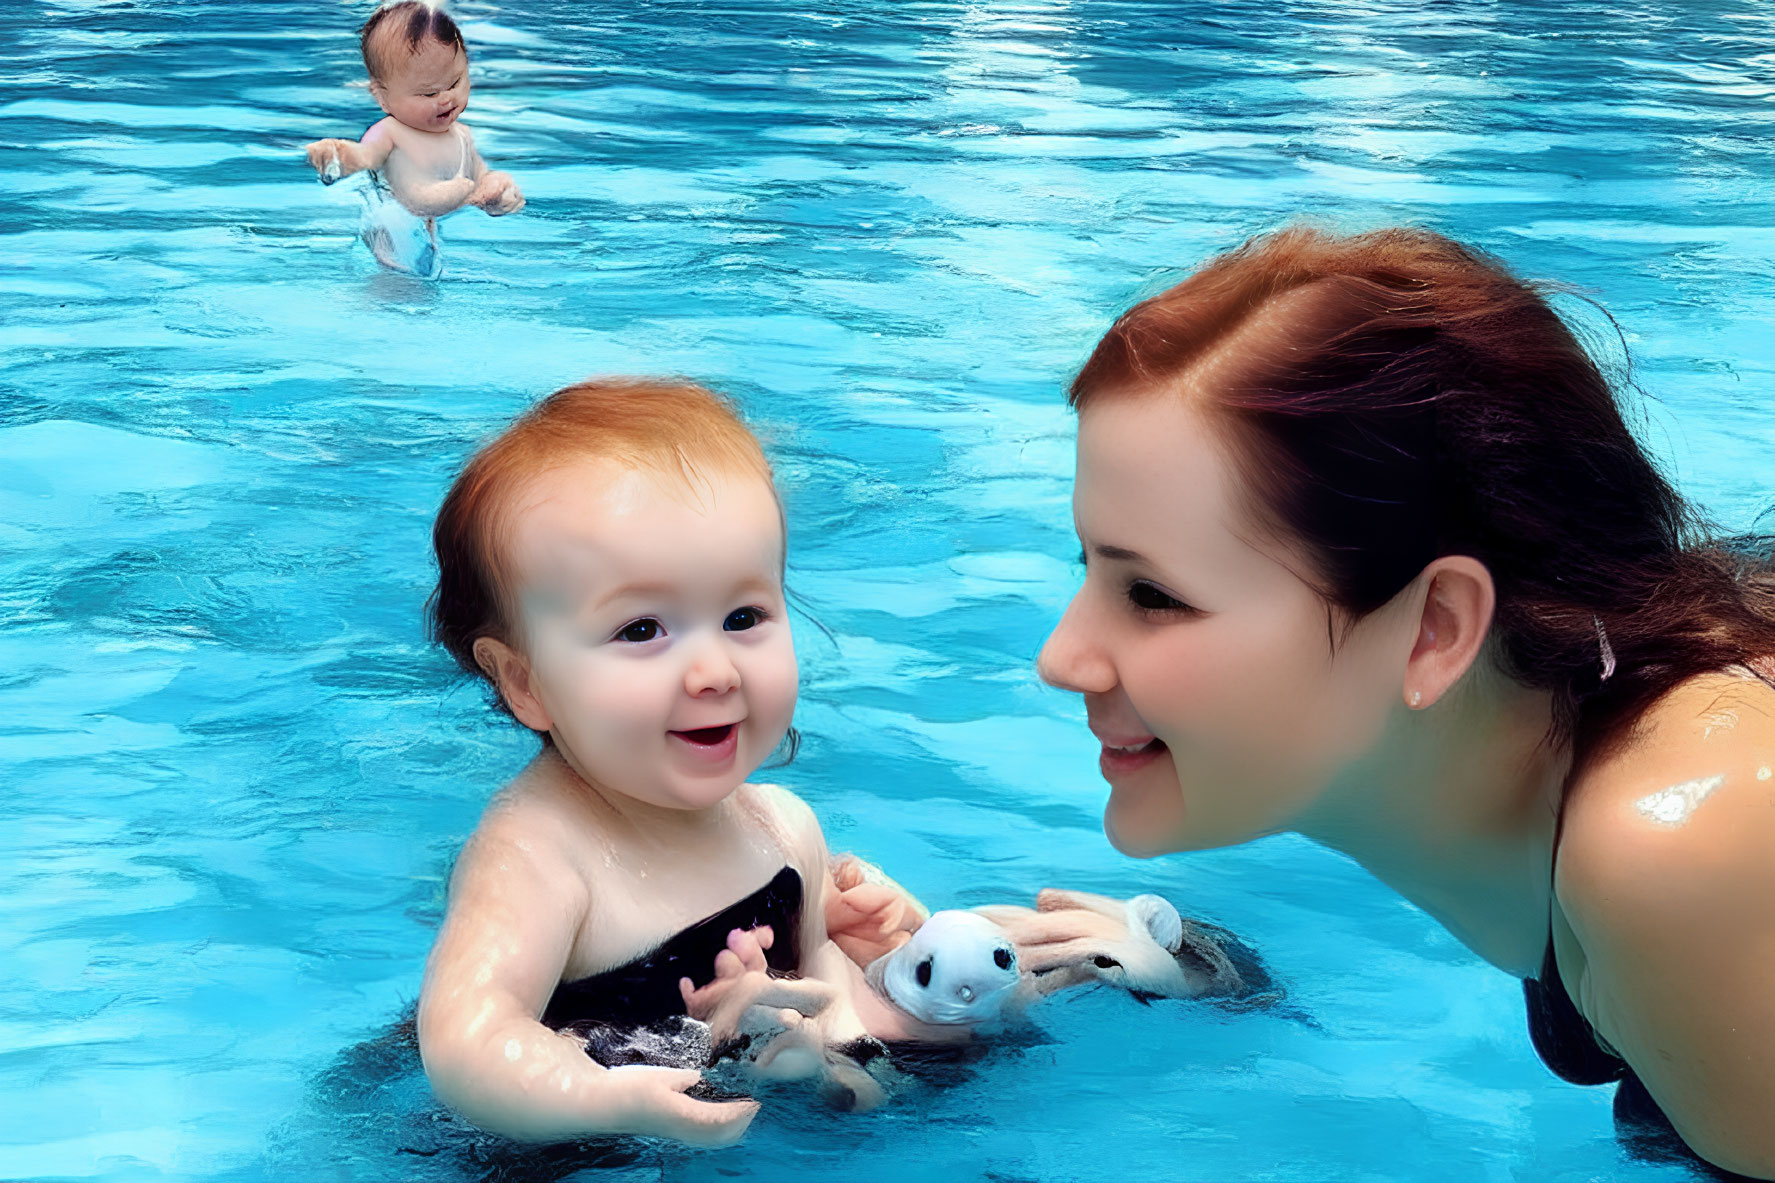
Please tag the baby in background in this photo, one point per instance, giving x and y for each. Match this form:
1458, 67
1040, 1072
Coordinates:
418, 67
612, 564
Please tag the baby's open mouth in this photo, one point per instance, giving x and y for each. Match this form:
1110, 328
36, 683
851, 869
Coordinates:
706, 736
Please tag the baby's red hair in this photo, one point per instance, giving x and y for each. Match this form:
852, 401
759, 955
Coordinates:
667, 426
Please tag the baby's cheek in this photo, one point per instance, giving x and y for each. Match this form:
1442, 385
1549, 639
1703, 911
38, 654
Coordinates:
776, 685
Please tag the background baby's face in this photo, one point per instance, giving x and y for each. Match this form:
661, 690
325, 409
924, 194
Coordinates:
653, 621
425, 88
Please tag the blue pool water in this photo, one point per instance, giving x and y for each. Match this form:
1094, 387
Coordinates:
232, 773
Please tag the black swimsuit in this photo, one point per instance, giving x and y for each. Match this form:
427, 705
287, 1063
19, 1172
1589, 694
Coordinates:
1570, 1046
644, 992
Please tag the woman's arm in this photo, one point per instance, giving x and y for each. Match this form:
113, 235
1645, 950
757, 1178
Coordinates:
1667, 881
515, 906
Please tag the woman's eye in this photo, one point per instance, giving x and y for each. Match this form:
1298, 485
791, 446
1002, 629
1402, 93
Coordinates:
1148, 598
741, 619
639, 631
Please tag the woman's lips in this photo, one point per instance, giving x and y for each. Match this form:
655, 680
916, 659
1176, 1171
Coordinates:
712, 745
1122, 759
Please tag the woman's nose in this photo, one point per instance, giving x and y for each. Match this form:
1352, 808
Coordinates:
1073, 659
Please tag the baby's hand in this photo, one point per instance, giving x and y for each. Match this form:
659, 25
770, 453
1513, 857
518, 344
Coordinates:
744, 999
651, 1101
497, 194
867, 919
324, 156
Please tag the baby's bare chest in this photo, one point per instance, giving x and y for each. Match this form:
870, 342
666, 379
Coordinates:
419, 156
638, 902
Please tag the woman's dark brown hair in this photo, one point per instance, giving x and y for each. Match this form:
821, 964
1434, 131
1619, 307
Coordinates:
1394, 397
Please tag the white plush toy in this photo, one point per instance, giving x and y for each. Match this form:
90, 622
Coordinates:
960, 968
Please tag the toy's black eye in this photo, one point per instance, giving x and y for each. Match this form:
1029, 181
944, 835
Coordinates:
1102, 962
923, 972
1001, 958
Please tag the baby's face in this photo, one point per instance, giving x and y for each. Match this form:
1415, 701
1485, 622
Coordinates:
653, 620
426, 88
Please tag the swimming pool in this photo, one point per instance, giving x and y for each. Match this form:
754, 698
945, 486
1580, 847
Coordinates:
234, 772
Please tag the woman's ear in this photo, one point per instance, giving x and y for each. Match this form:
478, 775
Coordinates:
510, 673
1455, 617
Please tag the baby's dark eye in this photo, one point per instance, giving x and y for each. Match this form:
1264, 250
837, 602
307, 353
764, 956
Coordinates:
1001, 957
1102, 962
639, 631
923, 972
1148, 598
741, 619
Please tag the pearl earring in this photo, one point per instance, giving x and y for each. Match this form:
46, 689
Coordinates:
1417, 699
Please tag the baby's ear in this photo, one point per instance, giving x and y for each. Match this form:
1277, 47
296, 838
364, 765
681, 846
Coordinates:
509, 672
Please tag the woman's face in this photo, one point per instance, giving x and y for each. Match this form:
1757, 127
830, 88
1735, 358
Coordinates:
1206, 663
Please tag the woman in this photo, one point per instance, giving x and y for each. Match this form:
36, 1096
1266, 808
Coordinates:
1371, 556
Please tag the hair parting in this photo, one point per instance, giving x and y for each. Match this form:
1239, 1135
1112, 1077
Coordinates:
409, 23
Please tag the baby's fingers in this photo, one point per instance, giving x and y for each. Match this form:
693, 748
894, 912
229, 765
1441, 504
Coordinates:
847, 871
869, 898
797, 994
664, 1111
750, 944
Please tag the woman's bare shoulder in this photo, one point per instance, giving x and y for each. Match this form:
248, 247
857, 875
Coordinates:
1706, 749
1666, 879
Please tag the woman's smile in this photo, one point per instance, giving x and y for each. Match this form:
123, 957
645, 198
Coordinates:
1122, 757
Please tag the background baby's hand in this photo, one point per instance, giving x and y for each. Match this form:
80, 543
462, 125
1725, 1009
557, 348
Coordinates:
324, 156
497, 194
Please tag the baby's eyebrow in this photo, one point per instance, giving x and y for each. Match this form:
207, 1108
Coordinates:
638, 589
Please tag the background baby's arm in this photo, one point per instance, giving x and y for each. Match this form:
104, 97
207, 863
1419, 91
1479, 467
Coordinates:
495, 192
335, 158
516, 904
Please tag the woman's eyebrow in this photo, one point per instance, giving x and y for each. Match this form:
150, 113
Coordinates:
1117, 554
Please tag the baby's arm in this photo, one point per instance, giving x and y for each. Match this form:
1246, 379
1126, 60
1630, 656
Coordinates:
333, 158
515, 904
494, 192
856, 1009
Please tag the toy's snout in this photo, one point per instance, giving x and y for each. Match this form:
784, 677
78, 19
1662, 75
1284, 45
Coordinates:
958, 967
966, 985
